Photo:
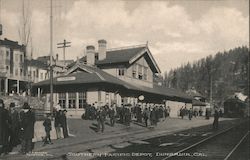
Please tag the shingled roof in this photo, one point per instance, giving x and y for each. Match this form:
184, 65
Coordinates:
196, 102
128, 55
120, 55
90, 75
94, 75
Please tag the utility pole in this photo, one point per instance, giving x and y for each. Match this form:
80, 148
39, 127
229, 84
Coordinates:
64, 45
51, 56
1, 26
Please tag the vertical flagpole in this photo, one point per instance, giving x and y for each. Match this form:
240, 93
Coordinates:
51, 57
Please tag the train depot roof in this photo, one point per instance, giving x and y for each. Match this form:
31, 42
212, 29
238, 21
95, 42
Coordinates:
196, 102
84, 77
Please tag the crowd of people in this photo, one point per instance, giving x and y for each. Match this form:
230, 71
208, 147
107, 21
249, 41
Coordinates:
190, 113
16, 128
60, 123
125, 114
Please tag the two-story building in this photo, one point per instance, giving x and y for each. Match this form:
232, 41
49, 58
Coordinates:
17, 72
107, 76
12, 67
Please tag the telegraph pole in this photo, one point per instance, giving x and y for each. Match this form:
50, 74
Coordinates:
51, 56
1, 26
63, 45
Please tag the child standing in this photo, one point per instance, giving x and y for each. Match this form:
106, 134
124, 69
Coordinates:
47, 127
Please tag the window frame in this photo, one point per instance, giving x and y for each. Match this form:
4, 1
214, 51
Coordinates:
82, 99
121, 71
72, 100
62, 99
140, 72
134, 71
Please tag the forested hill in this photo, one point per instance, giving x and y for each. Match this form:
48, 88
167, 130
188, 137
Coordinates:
226, 72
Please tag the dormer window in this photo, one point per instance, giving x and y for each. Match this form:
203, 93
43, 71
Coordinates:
140, 76
121, 71
134, 68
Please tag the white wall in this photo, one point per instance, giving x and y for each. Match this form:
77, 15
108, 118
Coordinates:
92, 97
176, 106
128, 74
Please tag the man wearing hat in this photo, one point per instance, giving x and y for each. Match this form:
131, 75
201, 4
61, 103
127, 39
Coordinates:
15, 127
27, 117
4, 128
63, 119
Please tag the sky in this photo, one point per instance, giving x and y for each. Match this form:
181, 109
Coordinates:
177, 31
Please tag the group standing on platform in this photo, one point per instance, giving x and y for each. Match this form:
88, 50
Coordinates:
16, 128
125, 114
60, 122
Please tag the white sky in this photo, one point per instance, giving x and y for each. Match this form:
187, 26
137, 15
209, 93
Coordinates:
178, 31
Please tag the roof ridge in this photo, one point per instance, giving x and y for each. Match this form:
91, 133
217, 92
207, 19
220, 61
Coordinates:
127, 47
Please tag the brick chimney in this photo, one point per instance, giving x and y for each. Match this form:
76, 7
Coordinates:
102, 46
90, 53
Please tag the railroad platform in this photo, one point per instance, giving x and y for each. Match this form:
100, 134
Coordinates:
84, 137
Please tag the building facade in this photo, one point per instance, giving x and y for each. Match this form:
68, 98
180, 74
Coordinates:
17, 72
12, 67
107, 76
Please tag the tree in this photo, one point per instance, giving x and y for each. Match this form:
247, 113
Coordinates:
25, 26
226, 72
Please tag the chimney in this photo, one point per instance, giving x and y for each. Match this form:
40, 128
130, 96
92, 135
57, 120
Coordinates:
102, 44
90, 53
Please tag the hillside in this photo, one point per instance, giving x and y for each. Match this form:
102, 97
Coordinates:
225, 73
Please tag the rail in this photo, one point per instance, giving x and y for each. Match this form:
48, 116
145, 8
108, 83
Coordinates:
209, 138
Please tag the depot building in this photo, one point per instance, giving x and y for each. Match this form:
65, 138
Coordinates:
107, 76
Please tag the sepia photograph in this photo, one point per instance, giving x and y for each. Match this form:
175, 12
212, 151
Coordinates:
124, 80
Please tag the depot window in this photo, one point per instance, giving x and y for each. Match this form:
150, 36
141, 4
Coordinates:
72, 100
82, 99
62, 100
140, 72
134, 68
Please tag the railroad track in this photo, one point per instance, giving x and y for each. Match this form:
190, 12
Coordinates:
201, 141
220, 146
187, 141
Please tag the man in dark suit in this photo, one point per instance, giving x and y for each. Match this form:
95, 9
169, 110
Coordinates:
15, 127
4, 128
112, 114
101, 115
63, 121
27, 117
